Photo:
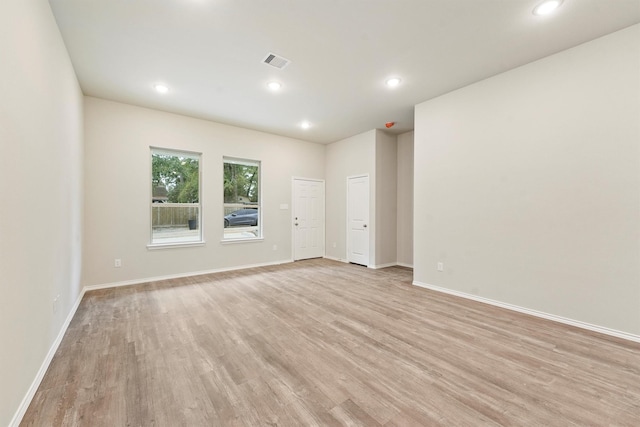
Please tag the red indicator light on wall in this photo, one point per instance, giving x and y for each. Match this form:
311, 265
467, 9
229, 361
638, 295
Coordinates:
389, 125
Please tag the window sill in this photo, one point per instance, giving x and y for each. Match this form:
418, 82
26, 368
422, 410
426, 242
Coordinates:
247, 240
156, 246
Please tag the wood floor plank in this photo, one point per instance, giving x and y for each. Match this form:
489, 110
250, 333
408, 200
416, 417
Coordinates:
324, 343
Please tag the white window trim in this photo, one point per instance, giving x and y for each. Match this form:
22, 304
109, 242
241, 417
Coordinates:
185, 153
246, 162
244, 240
156, 246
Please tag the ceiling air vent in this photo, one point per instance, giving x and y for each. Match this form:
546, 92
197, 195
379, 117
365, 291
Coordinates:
276, 61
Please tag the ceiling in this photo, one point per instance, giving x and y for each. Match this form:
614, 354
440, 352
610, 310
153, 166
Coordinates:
210, 54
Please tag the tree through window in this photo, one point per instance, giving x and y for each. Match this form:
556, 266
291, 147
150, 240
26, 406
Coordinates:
242, 219
175, 197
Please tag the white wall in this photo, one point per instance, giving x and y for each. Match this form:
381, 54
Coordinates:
386, 201
41, 175
527, 185
405, 199
117, 188
348, 157
373, 153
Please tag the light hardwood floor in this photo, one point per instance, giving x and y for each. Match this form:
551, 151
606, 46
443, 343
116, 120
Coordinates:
324, 343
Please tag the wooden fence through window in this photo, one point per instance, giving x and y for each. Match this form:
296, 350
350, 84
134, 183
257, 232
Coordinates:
173, 214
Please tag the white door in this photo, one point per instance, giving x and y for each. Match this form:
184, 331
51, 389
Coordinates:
358, 220
308, 219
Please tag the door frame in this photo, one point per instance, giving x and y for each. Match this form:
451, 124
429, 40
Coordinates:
347, 242
324, 214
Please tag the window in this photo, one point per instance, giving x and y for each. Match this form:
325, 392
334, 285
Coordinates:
175, 197
242, 219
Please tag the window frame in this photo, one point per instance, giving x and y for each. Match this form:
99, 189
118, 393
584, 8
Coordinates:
199, 219
260, 231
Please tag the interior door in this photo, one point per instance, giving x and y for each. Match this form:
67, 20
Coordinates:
358, 220
308, 219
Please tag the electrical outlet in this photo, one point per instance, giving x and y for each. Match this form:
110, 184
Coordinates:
334, 244
440, 266
275, 247
117, 263
55, 303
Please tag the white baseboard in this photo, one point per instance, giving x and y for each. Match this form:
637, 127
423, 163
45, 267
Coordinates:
180, 275
552, 317
26, 401
374, 267
336, 259
402, 264
379, 266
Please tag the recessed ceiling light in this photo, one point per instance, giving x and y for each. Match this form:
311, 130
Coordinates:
274, 85
393, 81
546, 7
160, 88
305, 125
